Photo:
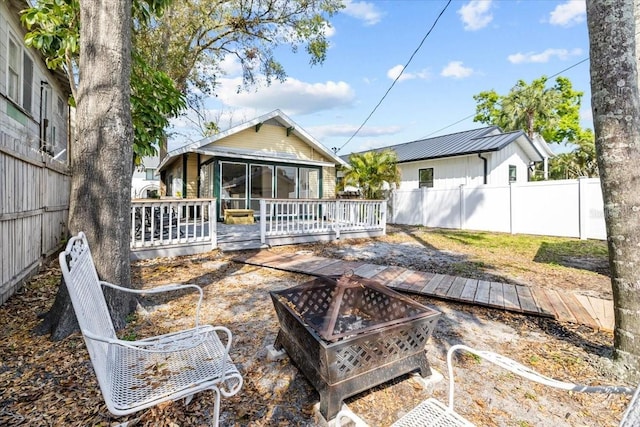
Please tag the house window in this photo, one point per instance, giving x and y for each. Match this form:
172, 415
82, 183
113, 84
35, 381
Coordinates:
27, 82
309, 183
512, 173
233, 185
150, 172
19, 75
261, 180
425, 178
14, 71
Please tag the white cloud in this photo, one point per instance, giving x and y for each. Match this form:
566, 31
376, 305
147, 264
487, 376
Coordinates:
570, 13
292, 96
543, 57
394, 72
363, 10
475, 15
456, 70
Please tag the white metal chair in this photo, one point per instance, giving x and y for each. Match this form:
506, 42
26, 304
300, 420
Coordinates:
433, 413
135, 375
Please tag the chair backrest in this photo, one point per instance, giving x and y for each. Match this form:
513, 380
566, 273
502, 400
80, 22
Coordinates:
88, 300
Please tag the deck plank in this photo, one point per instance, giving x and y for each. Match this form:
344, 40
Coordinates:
307, 265
542, 300
560, 309
586, 304
416, 281
581, 315
469, 291
496, 295
527, 303
444, 285
456, 288
338, 268
369, 270
511, 301
398, 281
482, 293
388, 275
431, 285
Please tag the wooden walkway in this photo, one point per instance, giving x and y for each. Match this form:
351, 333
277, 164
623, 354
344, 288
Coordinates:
565, 307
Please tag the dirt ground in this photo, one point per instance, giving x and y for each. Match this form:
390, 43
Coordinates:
51, 383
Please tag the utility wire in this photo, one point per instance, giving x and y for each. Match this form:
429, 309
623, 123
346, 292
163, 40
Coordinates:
471, 115
397, 78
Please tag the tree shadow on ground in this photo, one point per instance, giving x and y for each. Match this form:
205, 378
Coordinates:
588, 255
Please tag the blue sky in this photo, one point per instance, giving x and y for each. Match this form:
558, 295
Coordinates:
476, 45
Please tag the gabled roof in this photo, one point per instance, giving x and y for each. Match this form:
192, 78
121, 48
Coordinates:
473, 141
204, 145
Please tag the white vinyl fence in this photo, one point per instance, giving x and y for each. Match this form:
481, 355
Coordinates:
568, 208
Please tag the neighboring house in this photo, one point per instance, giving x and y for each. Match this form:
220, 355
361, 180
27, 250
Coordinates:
145, 182
474, 157
268, 157
34, 108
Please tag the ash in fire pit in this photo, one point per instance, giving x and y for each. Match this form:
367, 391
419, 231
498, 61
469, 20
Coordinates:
349, 334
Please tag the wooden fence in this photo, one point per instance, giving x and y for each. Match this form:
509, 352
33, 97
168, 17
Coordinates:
34, 207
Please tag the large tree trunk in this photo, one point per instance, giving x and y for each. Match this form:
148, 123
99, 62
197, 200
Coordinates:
101, 160
616, 112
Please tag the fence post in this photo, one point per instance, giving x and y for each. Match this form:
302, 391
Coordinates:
463, 207
423, 206
512, 227
263, 221
336, 218
213, 224
383, 216
583, 208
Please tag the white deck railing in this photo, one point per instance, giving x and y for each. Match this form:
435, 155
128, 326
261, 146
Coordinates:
284, 217
172, 222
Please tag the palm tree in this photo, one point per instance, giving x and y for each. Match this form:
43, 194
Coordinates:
370, 171
529, 106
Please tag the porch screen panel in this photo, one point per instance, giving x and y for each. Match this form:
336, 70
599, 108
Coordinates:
261, 184
233, 185
309, 183
286, 182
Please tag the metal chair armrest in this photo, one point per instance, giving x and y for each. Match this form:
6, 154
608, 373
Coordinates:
162, 289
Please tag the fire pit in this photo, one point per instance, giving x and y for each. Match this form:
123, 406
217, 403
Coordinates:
350, 334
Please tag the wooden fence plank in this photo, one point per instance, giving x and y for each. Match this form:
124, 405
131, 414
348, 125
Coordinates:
511, 301
482, 293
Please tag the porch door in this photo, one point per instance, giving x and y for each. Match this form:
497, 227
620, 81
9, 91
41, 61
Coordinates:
287, 182
233, 186
309, 183
261, 183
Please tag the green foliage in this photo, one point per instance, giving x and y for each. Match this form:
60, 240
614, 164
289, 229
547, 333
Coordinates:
371, 170
192, 38
54, 29
580, 162
552, 112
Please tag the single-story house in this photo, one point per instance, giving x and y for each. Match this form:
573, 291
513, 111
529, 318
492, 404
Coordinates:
267, 157
145, 183
474, 157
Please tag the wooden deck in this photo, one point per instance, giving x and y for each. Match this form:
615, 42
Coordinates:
565, 307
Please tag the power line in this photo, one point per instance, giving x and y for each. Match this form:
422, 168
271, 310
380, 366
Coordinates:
471, 115
397, 78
